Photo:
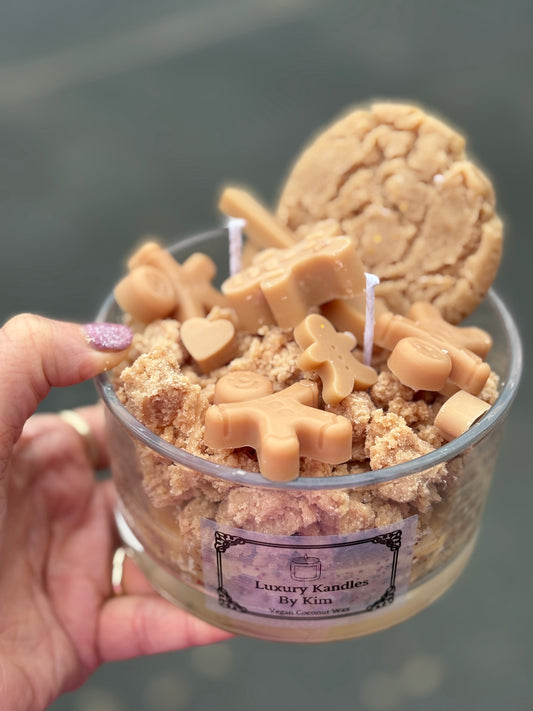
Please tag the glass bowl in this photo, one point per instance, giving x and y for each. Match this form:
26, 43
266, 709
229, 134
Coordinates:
364, 563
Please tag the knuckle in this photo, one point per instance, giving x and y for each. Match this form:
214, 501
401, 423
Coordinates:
23, 327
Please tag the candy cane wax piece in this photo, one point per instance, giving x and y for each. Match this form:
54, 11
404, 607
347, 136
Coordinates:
262, 227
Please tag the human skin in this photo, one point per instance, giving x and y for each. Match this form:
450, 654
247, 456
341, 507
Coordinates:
59, 617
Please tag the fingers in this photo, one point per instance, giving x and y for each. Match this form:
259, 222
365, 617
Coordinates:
138, 621
133, 626
38, 353
133, 580
83, 429
93, 434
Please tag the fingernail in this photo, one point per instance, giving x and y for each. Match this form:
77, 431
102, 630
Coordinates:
108, 336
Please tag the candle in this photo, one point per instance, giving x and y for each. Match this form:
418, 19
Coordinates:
235, 227
305, 568
371, 282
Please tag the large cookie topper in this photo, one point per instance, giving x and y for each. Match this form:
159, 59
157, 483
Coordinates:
329, 353
399, 183
281, 428
282, 285
157, 286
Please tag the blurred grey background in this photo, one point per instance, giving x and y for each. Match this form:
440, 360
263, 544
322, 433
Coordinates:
122, 117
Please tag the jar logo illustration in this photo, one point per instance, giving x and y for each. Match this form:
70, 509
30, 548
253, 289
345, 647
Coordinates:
305, 568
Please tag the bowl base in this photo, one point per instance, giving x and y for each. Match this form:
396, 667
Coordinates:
194, 600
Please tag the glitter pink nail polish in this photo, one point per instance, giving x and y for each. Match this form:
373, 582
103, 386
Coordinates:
108, 336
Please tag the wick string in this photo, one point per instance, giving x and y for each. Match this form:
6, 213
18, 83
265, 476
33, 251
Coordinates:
371, 282
235, 227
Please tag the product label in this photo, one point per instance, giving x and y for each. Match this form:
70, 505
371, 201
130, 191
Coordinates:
306, 578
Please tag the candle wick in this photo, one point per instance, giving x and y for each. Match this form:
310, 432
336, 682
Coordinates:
372, 280
235, 226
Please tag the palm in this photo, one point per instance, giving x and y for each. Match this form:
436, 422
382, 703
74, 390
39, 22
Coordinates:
55, 555
56, 547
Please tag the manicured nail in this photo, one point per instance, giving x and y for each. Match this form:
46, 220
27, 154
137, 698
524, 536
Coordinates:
108, 336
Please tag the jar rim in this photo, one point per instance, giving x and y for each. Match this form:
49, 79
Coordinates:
494, 416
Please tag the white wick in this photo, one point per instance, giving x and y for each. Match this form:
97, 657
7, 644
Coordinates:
371, 282
235, 227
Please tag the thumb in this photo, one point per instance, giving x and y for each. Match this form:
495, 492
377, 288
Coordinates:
37, 353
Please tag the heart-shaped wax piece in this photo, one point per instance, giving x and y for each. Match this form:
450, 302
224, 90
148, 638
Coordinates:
210, 343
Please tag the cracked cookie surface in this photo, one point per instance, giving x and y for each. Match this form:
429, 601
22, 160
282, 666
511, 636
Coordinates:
398, 181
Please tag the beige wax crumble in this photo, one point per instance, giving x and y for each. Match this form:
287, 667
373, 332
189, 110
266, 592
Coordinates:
391, 424
387, 388
273, 353
391, 441
149, 335
490, 391
158, 394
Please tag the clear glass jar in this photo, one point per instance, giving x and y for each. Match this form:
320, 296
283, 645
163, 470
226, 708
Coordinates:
335, 581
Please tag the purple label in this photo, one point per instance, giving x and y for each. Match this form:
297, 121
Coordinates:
306, 578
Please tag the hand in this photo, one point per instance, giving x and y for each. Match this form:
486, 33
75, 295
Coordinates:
59, 619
